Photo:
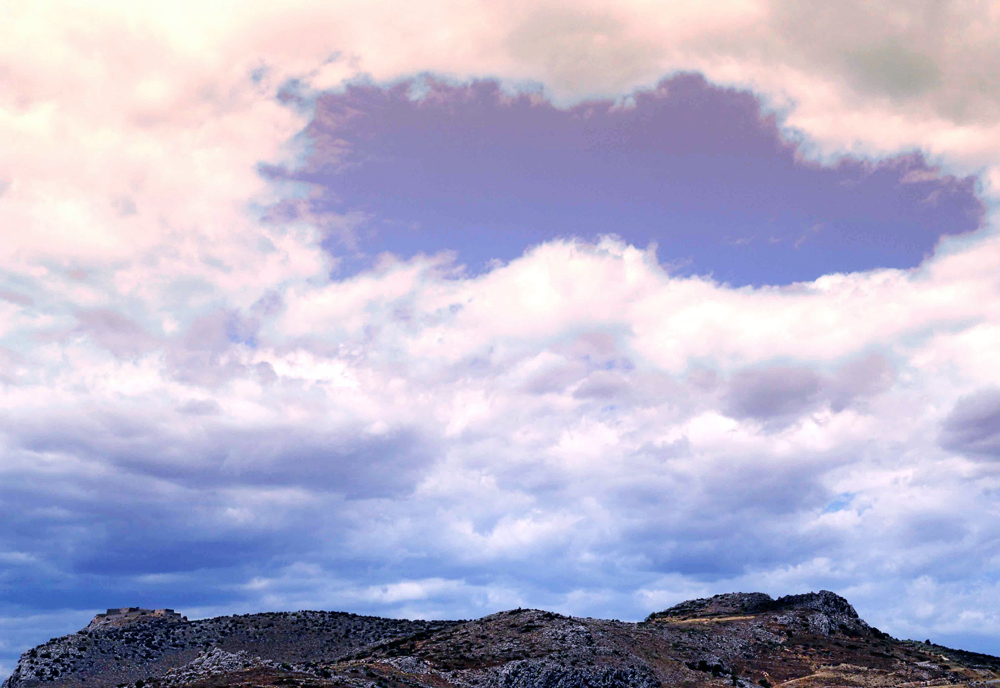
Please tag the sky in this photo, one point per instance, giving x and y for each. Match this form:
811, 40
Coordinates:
435, 310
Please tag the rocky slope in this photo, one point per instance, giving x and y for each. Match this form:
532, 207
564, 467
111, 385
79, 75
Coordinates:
113, 654
747, 640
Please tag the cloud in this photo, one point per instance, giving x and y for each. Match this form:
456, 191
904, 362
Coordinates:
15, 298
536, 421
782, 392
113, 331
200, 407
973, 426
772, 392
862, 377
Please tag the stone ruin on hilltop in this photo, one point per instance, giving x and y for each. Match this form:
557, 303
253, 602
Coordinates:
126, 615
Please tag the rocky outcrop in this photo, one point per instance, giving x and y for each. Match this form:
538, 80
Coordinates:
215, 662
822, 612
823, 601
728, 604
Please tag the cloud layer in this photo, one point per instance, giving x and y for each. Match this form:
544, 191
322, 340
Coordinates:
204, 404
578, 406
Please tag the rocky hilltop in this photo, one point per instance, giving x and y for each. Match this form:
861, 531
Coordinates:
744, 640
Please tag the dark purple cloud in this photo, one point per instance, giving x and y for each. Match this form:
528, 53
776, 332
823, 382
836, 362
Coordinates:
699, 169
780, 394
973, 426
770, 392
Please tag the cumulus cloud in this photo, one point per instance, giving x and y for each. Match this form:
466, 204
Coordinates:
777, 392
549, 418
773, 391
973, 426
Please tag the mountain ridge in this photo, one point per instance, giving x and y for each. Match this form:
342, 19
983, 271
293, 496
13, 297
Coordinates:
746, 640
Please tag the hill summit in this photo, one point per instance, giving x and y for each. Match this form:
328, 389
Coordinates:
128, 615
743, 640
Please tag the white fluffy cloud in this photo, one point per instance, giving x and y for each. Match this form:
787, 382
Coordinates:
645, 437
578, 406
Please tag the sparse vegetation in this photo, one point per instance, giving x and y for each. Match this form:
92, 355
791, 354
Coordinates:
738, 640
